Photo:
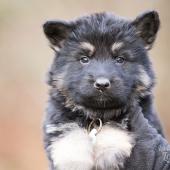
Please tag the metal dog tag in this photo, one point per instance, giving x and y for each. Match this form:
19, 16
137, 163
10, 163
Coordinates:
92, 135
93, 129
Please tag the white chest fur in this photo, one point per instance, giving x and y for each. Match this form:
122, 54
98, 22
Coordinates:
112, 146
105, 151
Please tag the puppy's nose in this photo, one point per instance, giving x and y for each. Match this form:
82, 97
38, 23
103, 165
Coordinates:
102, 83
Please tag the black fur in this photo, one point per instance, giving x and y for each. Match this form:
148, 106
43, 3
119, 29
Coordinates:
73, 97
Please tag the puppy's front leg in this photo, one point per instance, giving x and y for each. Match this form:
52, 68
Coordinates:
71, 149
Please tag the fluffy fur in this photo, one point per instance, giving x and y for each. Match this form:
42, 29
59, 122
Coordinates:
112, 148
97, 46
73, 151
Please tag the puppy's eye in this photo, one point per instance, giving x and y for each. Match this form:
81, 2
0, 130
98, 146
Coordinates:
120, 60
84, 60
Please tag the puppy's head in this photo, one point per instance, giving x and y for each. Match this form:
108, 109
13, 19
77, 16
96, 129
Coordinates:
101, 60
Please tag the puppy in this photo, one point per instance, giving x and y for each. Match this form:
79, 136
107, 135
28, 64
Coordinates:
100, 70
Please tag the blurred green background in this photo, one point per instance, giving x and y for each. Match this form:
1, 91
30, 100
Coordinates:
25, 57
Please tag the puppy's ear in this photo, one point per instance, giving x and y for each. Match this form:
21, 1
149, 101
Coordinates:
147, 26
57, 32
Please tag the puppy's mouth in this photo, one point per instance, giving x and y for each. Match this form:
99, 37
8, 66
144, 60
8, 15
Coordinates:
104, 109
102, 103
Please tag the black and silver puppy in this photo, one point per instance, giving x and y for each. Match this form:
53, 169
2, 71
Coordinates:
100, 70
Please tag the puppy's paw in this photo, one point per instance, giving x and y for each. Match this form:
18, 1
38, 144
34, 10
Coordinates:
113, 146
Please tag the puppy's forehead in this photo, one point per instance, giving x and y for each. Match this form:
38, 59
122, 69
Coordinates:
87, 46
